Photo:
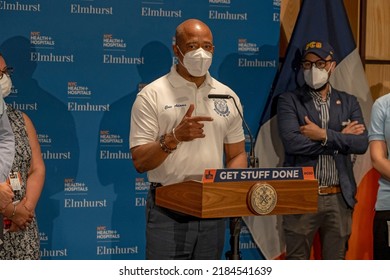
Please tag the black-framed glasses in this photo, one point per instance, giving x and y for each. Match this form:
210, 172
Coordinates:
320, 64
7, 71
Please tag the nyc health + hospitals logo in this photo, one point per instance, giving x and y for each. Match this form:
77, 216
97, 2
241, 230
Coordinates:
76, 90
44, 140
110, 42
110, 139
71, 187
44, 49
247, 47
39, 40
103, 234
79, 93
222, 3
250, 56
141, 187
115, 51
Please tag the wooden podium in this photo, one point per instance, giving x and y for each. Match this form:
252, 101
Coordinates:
224, 193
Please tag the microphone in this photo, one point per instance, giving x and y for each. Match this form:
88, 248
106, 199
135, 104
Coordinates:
220, 96
235, 222
253, 160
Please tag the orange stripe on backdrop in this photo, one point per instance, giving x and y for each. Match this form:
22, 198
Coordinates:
281, 257
361, 240
316, 248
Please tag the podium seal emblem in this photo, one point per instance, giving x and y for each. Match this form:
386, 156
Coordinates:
262, 198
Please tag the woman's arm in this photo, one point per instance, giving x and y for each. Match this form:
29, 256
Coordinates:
36, 174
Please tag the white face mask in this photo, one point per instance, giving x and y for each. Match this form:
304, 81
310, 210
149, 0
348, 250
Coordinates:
316, 78
5, 85
197, 62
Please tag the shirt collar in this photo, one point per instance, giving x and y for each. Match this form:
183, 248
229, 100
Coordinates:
317, 95
2, 106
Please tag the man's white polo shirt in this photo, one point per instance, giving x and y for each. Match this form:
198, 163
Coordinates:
160, 107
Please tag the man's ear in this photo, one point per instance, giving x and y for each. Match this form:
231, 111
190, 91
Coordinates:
175, 50
333, 66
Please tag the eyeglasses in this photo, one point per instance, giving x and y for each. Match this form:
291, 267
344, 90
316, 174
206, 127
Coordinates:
7, 71
320, 64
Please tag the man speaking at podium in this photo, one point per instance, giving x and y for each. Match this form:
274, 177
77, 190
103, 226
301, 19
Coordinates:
176, 132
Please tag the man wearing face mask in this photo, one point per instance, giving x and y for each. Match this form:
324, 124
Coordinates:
7, 148
321, 127
176, 133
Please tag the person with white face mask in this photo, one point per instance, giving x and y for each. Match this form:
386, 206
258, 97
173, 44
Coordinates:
7, 147
26, 176
197, 62
321, 127
5, 83
177, 132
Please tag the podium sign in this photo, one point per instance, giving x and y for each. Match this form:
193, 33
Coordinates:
243, 192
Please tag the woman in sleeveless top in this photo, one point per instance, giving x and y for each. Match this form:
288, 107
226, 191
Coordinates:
21, 241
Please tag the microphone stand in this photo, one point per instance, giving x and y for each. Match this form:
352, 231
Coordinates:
235, 222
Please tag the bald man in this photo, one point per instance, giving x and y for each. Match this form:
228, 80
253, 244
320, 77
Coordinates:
176, 133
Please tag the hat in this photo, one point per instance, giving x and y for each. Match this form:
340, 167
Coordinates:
322, 49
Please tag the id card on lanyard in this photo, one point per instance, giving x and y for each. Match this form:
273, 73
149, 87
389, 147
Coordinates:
15, 180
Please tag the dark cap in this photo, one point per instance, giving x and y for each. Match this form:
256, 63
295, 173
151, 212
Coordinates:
322, 49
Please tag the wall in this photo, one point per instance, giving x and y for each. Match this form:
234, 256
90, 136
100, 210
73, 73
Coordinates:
369, 23
377, 51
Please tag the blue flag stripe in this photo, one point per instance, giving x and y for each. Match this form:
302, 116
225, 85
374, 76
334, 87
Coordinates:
317, 20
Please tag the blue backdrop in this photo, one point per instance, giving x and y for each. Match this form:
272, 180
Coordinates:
78, 66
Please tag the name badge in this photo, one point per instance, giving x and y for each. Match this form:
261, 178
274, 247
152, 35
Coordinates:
15, 181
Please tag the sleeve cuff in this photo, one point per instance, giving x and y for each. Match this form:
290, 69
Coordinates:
324, 142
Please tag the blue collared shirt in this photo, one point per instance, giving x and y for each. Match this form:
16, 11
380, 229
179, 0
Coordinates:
7, 143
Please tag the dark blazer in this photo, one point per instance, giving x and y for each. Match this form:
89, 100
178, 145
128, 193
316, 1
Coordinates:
301, 151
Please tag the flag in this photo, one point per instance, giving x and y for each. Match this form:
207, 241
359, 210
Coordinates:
321, 20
